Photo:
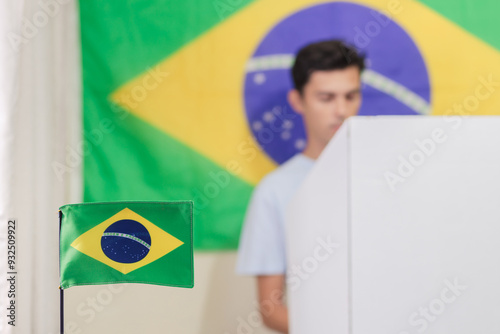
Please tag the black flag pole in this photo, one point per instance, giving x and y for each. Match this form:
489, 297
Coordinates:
61, 290
61, 295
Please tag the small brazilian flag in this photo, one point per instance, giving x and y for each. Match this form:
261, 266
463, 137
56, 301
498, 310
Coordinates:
127, 242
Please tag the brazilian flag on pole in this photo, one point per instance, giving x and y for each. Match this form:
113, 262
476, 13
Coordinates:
126, 242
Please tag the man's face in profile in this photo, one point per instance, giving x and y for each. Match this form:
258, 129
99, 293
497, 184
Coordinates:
328, 98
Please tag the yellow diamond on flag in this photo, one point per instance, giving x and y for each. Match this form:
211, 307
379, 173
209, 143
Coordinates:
126, 242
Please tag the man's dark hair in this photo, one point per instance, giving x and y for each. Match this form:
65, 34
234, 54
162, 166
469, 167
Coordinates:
324, 56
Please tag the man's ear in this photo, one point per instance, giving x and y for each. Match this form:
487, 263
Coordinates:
295, 100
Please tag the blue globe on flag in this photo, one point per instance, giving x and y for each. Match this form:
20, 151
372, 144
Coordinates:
126, 241
395, 82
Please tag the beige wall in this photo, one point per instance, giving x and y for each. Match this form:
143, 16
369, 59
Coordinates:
221, 302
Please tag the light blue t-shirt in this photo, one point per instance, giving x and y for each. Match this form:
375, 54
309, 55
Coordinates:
262, 242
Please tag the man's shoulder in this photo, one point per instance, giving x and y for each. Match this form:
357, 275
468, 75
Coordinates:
262, 249
289, 173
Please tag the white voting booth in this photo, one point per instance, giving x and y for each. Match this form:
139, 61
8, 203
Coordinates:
396, 230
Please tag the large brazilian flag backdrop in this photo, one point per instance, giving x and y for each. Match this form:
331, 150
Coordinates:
187, 99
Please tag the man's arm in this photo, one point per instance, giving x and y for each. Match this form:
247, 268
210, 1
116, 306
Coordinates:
274, 311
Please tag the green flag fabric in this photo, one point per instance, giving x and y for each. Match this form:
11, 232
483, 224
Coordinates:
126, 242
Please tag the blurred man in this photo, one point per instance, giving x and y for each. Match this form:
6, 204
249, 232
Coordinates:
327, 82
